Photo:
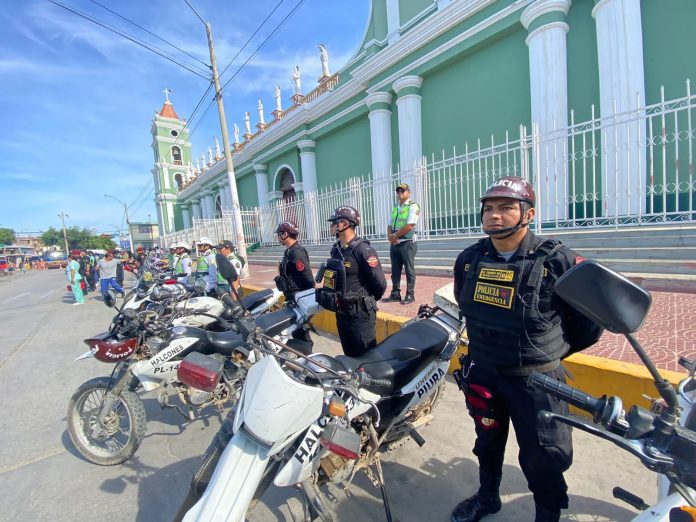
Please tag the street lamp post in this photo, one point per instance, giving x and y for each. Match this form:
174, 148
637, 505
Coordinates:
125, 209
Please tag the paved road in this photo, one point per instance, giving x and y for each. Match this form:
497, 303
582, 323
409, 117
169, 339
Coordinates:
43, 478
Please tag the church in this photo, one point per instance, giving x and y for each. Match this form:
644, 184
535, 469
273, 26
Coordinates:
589, 100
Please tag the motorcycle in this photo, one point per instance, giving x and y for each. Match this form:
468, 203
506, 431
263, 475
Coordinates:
663, 437
314, 419
106, 417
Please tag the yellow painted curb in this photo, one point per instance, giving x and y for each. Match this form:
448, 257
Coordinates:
594, 375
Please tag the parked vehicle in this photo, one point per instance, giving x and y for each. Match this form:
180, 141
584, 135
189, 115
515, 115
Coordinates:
664, 437
4, 265
310, 420
55, 259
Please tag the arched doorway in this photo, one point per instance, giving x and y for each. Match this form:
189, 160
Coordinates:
218, 207
287, 178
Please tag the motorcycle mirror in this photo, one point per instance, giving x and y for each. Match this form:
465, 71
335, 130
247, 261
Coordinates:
605, 296
227, 269
110, 298
405, 354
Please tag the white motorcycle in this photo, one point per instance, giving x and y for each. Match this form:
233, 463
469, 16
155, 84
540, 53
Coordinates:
664, 437
319, 419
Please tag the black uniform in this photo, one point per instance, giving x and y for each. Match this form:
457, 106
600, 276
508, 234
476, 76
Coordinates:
517, 325
295, 273
294, 276
364, 286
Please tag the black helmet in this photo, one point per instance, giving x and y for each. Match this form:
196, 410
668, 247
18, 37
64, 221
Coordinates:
289, 227
511, 187
350, 214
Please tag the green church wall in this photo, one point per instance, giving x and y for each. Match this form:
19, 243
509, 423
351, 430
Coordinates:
344, 153
246, 190
409, 9
291, 158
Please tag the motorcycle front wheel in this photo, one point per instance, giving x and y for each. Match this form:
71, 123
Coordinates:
124, 428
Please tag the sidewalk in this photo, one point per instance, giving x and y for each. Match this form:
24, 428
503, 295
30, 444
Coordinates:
667, 333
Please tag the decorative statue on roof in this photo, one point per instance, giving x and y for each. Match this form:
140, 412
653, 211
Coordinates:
297, 87
218, 154
262, 119
203, 165
247, 124
198, 166
324, 56
278, 108
235, 130
210, 156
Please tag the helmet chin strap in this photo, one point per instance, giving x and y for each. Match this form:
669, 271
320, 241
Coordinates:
509, 231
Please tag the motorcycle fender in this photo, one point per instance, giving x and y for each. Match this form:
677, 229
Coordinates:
148, 383
234, 482
86, 355
302, 464
660, 512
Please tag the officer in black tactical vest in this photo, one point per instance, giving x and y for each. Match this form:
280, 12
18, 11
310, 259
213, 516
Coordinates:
294, 272
353, 282
517, 325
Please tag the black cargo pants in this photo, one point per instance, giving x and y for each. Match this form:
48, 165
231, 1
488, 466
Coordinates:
357, 331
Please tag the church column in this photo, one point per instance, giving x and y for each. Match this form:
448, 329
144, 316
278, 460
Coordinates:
621, 89
265, 224
548, 72
308, 166
186, 216
379, 104
210, 201
195, 209
408, 104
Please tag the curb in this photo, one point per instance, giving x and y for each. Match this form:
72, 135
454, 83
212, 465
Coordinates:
592, 374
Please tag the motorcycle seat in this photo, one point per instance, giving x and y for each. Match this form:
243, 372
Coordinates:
275, 322
253, 300
225, 342
426, 337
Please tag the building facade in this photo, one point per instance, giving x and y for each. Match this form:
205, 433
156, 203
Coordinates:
590, 100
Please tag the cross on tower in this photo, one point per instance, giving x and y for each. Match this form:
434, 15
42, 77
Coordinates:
166, 92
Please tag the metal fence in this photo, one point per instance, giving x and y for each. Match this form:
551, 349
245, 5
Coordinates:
630, 168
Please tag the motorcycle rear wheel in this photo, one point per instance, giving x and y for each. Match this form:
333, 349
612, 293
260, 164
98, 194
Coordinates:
122, 433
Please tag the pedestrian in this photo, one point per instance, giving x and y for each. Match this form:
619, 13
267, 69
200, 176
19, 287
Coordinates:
72, 272
353, 282
516, 326
140, 257
85, 270
205, 266
183, 267
401, 233
107, 268
294, 271
226, 248
172, 257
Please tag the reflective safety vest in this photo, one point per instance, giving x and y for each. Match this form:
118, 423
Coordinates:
399, 217
179, 267
202, 263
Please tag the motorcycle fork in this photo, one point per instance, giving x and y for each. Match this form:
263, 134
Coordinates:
125, 379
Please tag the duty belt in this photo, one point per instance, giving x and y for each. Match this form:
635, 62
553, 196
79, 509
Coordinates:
521, 371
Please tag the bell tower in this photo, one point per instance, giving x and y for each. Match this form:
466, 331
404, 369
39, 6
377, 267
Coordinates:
171, 170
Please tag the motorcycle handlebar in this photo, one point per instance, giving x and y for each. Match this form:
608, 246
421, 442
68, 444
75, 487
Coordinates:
566, 393
365, 380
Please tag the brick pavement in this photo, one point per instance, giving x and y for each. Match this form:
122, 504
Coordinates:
668, 332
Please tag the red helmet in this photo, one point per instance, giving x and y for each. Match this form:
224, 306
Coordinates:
289, 227
350, 214
511, 187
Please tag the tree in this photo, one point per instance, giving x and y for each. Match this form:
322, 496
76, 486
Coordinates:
51, 237
78, 239
7, 236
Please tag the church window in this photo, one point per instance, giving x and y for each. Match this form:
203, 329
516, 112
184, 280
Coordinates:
178, 181
176, 155
174, 132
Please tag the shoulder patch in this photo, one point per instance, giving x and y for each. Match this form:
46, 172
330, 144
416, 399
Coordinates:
579, 259
373, 261
299, 265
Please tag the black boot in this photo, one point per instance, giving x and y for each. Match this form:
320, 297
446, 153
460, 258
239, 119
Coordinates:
408, 299
544, 514
395, 296
485, 502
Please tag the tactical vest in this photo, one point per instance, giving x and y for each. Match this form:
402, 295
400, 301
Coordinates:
399, 217
341, 286
285, 282
500, 301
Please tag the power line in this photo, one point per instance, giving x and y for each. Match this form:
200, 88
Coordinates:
150, 32
153, 49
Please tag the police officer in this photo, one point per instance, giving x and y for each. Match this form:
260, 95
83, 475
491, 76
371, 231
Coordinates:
205, 266
227, 249
353, 283
515, 322
294, 272
172, 257
401, 234
183, 264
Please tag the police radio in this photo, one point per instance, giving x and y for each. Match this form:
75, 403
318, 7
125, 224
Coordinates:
334, 285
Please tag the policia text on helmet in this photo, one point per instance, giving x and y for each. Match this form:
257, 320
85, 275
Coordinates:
506, 207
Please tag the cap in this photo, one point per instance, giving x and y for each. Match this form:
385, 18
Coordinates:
403, 186
225, 244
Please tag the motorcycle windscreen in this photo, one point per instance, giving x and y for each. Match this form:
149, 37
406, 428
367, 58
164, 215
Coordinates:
274, 406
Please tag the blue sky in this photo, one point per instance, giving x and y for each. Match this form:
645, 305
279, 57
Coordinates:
77, 101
